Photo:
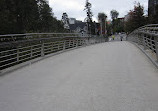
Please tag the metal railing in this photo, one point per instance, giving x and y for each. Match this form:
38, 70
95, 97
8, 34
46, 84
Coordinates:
19, 48
147, 36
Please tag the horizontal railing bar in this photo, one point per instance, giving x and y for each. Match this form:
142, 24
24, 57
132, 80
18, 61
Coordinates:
8, 64
38, 34
34, 49
21, 60
36, 55
8, 55
8, 50
24, 55
36, 52
35, 45
21, 52
2, 61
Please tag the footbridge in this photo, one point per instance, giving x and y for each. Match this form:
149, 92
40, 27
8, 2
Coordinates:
72, 72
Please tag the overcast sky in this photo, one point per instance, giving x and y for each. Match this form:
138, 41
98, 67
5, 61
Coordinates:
74, 8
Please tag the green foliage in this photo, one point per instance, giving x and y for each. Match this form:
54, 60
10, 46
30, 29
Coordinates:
18, 16
102, 16
109, 29
115, 22
118, 25
114, 14
136, 18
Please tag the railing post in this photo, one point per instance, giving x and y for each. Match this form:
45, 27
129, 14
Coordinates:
76, 42
69, 43
31, 52
82, 42
137, 38
58, 46
17, 54
139, 35
150, 42
156, 46
52, 48
87, 41
42, 49
133, 37
79, 42
73, 42
144, 43
64, 44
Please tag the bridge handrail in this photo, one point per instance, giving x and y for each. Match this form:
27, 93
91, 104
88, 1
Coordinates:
19, 51
147, 36
30, 36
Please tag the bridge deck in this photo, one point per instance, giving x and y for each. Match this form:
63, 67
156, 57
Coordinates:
114, 76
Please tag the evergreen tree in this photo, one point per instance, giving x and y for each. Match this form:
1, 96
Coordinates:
65, 21
18, 16
90, 24
114, 16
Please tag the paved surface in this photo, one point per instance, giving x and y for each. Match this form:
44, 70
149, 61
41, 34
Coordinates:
114, 76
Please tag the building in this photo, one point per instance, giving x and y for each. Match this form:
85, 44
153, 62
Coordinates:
72, 20
152, 7
77, 26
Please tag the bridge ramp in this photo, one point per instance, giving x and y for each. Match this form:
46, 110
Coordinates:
113, 76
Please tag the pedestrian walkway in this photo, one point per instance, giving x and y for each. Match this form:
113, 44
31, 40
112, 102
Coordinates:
112, 76
117, 37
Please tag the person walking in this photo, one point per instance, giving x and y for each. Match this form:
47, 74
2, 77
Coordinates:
113, 37
121, 37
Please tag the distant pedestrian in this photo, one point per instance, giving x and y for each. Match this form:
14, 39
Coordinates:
121, 37
113, 37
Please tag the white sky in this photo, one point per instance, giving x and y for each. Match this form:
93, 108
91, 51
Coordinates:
74, 8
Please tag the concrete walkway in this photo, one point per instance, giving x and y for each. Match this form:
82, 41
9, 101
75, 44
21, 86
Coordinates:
113, 76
